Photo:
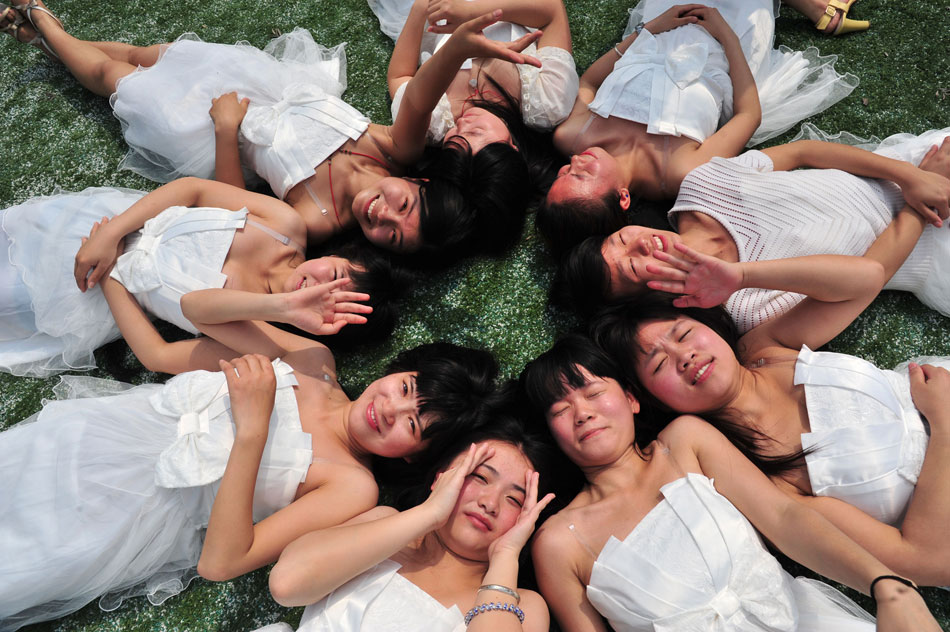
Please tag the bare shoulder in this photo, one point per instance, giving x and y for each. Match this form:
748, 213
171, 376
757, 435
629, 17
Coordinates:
685, 429
314, 361
554, 546
535, 609
355, 480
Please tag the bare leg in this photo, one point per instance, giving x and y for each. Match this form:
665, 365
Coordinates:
96, 65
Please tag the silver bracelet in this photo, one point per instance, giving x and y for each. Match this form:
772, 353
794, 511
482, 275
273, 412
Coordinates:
502, 589
617, 50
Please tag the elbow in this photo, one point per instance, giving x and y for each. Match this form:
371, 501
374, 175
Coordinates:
215, 571
285, 588
874, 276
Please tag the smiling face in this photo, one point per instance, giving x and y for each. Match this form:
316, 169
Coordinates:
385, 420
317, 271
627, 253
686, 365
590, 423
479, 128
589, 175
489, 503
389, 214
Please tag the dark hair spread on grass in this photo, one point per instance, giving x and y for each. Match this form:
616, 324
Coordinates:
566, 223
617, 328
582, 281
454, 386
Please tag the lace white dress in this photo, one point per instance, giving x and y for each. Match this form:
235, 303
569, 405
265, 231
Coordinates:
695, 564
379, 600
869, 439
677, 83
294, 122
109, 494
46, 324
780, 214
547, 93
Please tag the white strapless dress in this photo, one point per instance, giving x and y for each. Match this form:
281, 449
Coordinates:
695, 564
677, 83
379, 600
46, 324
108, 491
868, 436
294, 122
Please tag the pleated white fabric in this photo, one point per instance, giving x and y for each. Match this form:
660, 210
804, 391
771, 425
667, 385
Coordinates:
695, 564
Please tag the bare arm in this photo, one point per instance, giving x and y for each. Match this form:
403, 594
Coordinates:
321, 309
732, 137
548, 15
228, 112
926, 191
801, 533
839, 288
98, 254
405, 58
233, 544
555, 566
594, 76
407, 133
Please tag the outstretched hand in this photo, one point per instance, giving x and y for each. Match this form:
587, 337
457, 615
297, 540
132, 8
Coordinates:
929, 192
326, 308
469, 41
96, 256
517, 536
251, 388
448, 484
703, 281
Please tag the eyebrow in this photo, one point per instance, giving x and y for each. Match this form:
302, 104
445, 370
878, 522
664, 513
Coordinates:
496, 473
668, 334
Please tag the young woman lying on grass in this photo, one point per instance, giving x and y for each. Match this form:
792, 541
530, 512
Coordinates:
278, 112
663, 535
761, 206
187, 235
827, 427
422, 568
117, 491
688, 83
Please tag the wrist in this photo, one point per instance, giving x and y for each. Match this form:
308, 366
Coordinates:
223, 130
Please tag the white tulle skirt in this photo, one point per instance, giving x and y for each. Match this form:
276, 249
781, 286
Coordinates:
164, 108
46, 324
82, 516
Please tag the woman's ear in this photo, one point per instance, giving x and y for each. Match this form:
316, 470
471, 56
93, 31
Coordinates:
634, 403
625, 199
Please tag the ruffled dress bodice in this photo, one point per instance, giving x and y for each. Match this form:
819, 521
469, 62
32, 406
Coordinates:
868, 438
178, 251
380, 600
695, 564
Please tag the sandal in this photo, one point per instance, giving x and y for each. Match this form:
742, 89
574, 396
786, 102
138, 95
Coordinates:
845, 25
26, 11
14, 21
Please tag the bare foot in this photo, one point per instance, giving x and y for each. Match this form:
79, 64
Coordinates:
15, 25
36, 18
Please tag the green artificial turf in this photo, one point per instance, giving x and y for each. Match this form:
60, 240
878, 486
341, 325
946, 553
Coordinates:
58, 135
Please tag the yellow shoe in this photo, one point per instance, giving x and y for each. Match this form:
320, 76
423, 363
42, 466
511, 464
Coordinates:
845, 25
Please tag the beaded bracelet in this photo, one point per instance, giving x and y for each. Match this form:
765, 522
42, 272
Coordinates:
486, 607
903, 580
502, 589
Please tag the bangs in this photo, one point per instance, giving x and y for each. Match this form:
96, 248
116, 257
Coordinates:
559, 370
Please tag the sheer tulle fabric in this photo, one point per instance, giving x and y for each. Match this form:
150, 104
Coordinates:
46, 324
84, 512
164, 108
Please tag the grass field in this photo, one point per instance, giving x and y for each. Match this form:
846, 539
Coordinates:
58, 135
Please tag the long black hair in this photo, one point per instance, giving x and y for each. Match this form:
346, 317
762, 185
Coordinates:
582, 281
565, 224
616, 328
